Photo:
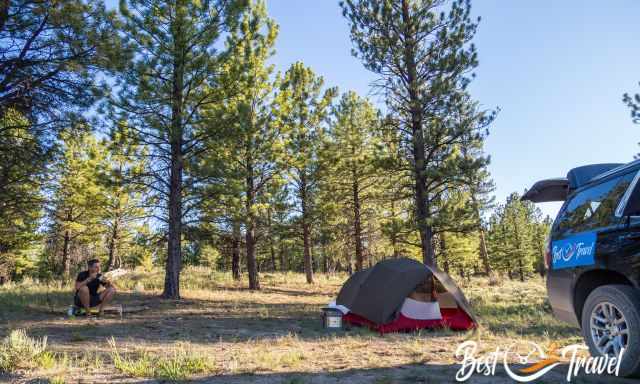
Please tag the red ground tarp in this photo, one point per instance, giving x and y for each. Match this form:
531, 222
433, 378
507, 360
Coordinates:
455, 319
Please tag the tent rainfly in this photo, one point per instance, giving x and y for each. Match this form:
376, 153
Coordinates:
386, 298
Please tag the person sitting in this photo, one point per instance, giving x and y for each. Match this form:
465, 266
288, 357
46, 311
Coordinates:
88, 283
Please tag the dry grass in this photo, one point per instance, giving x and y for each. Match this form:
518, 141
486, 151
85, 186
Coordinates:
221, 331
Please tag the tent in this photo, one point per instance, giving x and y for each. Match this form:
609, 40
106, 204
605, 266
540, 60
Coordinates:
378, 298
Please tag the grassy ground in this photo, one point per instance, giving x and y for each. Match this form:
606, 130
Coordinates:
220, 332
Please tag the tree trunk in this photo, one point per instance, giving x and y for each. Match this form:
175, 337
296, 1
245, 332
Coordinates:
519, 247
252, 268
283, 262
272, 247
484, 255
66, 258
112, 262
394, 233
521, 270
174, 252
422, 209
325, 258
308, 262
306, 231
235, 251
65, 255
444, 254
357, 229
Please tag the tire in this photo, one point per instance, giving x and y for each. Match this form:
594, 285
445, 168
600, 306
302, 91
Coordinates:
626, 300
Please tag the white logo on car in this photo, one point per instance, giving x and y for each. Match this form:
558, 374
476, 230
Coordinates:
571, 251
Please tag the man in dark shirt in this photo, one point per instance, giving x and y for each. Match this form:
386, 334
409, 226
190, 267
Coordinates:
87, 284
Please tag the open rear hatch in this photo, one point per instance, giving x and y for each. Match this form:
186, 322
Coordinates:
548, 190
558, 189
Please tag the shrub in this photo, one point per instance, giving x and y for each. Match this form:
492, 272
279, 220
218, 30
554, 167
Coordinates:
18, 350
181, 365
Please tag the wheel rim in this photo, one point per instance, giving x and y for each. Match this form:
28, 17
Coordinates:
609, 329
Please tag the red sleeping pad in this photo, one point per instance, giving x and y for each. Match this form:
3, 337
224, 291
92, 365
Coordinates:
453, 318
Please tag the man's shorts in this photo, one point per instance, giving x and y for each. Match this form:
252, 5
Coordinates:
94, 300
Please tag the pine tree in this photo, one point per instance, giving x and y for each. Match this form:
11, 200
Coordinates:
251, 149
516, 238
123, 198
634, 103
162, 94
518, 223
477, 181
350, 161
77, 196
396, 189
50, 56
22, 174
420, 49
301, 108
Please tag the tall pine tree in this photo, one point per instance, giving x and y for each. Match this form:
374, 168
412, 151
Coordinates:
76, 198
123, 199
301, 108
251, 150
421, 51
351, 161
162, 94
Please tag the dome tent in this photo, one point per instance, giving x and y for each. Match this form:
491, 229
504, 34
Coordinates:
375, 297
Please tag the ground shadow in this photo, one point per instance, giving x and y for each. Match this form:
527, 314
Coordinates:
198, 321
400, 374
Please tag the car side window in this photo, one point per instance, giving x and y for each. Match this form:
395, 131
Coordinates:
594, 207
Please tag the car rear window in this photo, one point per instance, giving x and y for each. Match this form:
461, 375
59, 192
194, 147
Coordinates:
594, 207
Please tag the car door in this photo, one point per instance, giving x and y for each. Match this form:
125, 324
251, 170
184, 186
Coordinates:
593, 213
584, 237
627, 260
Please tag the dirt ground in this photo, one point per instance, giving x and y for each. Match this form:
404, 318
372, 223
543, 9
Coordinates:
271, 336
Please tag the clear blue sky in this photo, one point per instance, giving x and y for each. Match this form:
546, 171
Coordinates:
556, 68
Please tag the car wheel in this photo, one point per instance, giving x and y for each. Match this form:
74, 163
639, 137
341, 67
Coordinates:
610, 322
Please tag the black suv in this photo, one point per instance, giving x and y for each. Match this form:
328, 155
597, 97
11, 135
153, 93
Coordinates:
593, 256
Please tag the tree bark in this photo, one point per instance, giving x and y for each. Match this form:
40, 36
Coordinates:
422, 209
283, 263
443, 252
113, 260
252, 268
235, 251
394, 233
306, 232
484, 255
65, 255
272, 247
517, 238
308, 262
357, 229
66, 258
521, 270
174, 252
